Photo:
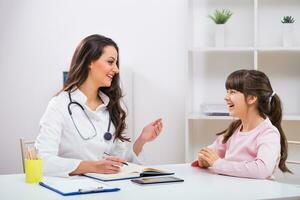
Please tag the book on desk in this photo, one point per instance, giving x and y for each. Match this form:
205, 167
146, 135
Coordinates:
129, 171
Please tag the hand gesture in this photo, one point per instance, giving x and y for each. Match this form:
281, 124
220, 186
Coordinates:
151, 131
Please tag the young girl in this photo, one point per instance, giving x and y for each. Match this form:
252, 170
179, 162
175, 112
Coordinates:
255, 144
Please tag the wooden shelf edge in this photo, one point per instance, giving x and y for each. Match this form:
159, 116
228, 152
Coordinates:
207, 117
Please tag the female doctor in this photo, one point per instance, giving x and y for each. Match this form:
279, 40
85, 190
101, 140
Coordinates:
85, 121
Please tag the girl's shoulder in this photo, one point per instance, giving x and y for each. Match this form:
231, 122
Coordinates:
268, 130
268, 126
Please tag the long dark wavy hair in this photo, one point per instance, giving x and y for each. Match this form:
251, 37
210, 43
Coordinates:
256, 83
90, 49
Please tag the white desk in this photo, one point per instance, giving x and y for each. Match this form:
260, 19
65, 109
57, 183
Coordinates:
198, 184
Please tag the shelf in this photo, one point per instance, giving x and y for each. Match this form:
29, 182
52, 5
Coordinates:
244, 49
222, 49
287, 49
291, 117
294, 142
253, 40
206, 117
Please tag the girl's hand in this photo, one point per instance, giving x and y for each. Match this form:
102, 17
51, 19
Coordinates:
151, 131
207, 157
202, 163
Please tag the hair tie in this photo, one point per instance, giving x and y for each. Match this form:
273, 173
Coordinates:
271, 97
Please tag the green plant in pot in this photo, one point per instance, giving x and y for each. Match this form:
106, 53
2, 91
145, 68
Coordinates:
220, 17
287, 31
287, 20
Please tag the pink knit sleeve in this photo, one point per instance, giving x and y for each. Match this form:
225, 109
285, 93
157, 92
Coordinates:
268, 145
218, 146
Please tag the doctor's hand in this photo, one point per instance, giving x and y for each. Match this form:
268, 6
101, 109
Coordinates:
149, 133
108, 165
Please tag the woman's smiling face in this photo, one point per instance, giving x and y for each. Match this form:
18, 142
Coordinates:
103, 70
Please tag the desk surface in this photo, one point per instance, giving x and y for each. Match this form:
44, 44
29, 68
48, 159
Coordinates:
198, 184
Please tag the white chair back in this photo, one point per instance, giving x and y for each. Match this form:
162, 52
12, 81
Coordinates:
24, 143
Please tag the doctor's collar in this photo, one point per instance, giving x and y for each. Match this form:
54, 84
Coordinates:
104, 98
80, 97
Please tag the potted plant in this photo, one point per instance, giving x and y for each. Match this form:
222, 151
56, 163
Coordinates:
220, 17
287, 34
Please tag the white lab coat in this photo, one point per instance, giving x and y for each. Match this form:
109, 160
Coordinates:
61, 147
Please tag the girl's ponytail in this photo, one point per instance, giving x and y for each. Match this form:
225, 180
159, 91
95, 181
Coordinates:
275, 115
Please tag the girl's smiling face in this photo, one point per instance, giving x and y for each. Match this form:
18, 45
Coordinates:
236, 103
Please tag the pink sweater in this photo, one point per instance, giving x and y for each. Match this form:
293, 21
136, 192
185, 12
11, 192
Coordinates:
253, 154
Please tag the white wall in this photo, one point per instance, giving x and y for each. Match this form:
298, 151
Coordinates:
38, 38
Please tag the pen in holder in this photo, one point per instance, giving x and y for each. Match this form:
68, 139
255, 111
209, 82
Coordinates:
33, 167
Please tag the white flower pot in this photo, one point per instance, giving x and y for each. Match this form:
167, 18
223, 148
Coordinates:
287, 34
220, 35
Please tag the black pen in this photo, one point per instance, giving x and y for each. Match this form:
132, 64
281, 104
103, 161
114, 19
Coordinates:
110, 155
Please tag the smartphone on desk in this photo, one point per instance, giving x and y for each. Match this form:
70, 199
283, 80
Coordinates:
154, 180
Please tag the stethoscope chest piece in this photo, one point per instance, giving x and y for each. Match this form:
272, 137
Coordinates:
107, 136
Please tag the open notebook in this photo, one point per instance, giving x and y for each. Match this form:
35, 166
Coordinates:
128, 172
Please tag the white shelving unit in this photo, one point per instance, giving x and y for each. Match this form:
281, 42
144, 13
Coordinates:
252, 41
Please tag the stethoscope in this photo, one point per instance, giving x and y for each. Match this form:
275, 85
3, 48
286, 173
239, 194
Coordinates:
107, 135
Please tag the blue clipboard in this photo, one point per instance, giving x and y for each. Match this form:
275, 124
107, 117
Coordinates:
76, 186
